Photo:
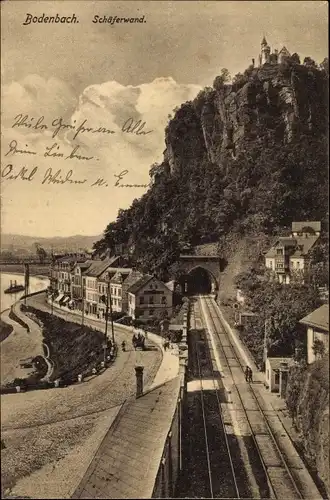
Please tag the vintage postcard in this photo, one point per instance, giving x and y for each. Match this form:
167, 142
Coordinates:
164, 328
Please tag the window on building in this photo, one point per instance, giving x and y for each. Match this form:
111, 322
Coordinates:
141, 300
151, 299
279, 251
163, 300
119, 292
277, 378
298, 264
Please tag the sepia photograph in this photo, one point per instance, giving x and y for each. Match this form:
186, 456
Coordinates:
164, 251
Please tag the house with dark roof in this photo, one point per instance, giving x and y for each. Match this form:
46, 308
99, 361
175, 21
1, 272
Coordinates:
289, 256
149, 298
90, 281
317, 330
111, 281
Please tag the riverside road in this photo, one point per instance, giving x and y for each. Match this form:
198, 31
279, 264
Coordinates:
106, 390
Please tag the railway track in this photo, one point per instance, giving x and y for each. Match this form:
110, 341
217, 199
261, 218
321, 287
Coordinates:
223, 484
285, 476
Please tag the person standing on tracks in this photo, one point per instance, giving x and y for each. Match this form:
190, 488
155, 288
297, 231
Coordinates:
250, 375
247, 372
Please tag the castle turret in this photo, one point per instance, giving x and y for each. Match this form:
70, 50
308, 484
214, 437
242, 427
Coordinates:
265, 52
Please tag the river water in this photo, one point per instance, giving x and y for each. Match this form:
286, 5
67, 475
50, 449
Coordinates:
6, 300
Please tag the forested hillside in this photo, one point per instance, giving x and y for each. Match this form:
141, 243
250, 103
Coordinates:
243, 158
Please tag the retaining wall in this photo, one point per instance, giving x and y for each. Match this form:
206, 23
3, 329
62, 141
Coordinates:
171, 463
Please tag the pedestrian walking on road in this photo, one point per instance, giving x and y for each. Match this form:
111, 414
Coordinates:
250, 375
247, 373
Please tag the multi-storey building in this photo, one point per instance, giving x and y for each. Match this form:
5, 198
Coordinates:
90, 283
289, 257
149, 298
60, 272
111, 282
77, 283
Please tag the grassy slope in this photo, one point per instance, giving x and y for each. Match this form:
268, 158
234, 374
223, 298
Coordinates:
74, 349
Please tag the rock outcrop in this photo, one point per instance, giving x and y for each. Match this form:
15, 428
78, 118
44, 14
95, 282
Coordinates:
273, 102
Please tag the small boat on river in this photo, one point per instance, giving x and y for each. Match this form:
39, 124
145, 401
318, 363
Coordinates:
14, 288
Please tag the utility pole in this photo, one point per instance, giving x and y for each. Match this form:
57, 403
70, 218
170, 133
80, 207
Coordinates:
106, 323
27, 281
112, 329
266, 333
83, 303
109, 302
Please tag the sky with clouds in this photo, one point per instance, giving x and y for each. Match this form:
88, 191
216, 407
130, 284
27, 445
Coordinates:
100, 75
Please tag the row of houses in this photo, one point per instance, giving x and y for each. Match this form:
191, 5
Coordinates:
89, 285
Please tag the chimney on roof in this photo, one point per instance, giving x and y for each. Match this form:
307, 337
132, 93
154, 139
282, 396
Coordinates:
139, 380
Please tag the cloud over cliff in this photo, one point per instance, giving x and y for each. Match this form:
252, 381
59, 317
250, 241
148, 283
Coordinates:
107, 105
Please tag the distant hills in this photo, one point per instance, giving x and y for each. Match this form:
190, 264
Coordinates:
19, 243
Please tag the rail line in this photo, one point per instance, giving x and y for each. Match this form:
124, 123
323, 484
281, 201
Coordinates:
286, 476
206, 410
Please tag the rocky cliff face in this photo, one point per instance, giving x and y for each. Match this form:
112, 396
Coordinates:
242, 158
271, 103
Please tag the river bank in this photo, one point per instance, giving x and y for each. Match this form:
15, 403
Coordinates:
37, 283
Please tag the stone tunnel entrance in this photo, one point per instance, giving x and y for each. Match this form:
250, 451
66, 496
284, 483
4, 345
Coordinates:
198, 281
200, 274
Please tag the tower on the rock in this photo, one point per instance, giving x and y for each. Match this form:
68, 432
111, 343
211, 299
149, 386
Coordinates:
265, 52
